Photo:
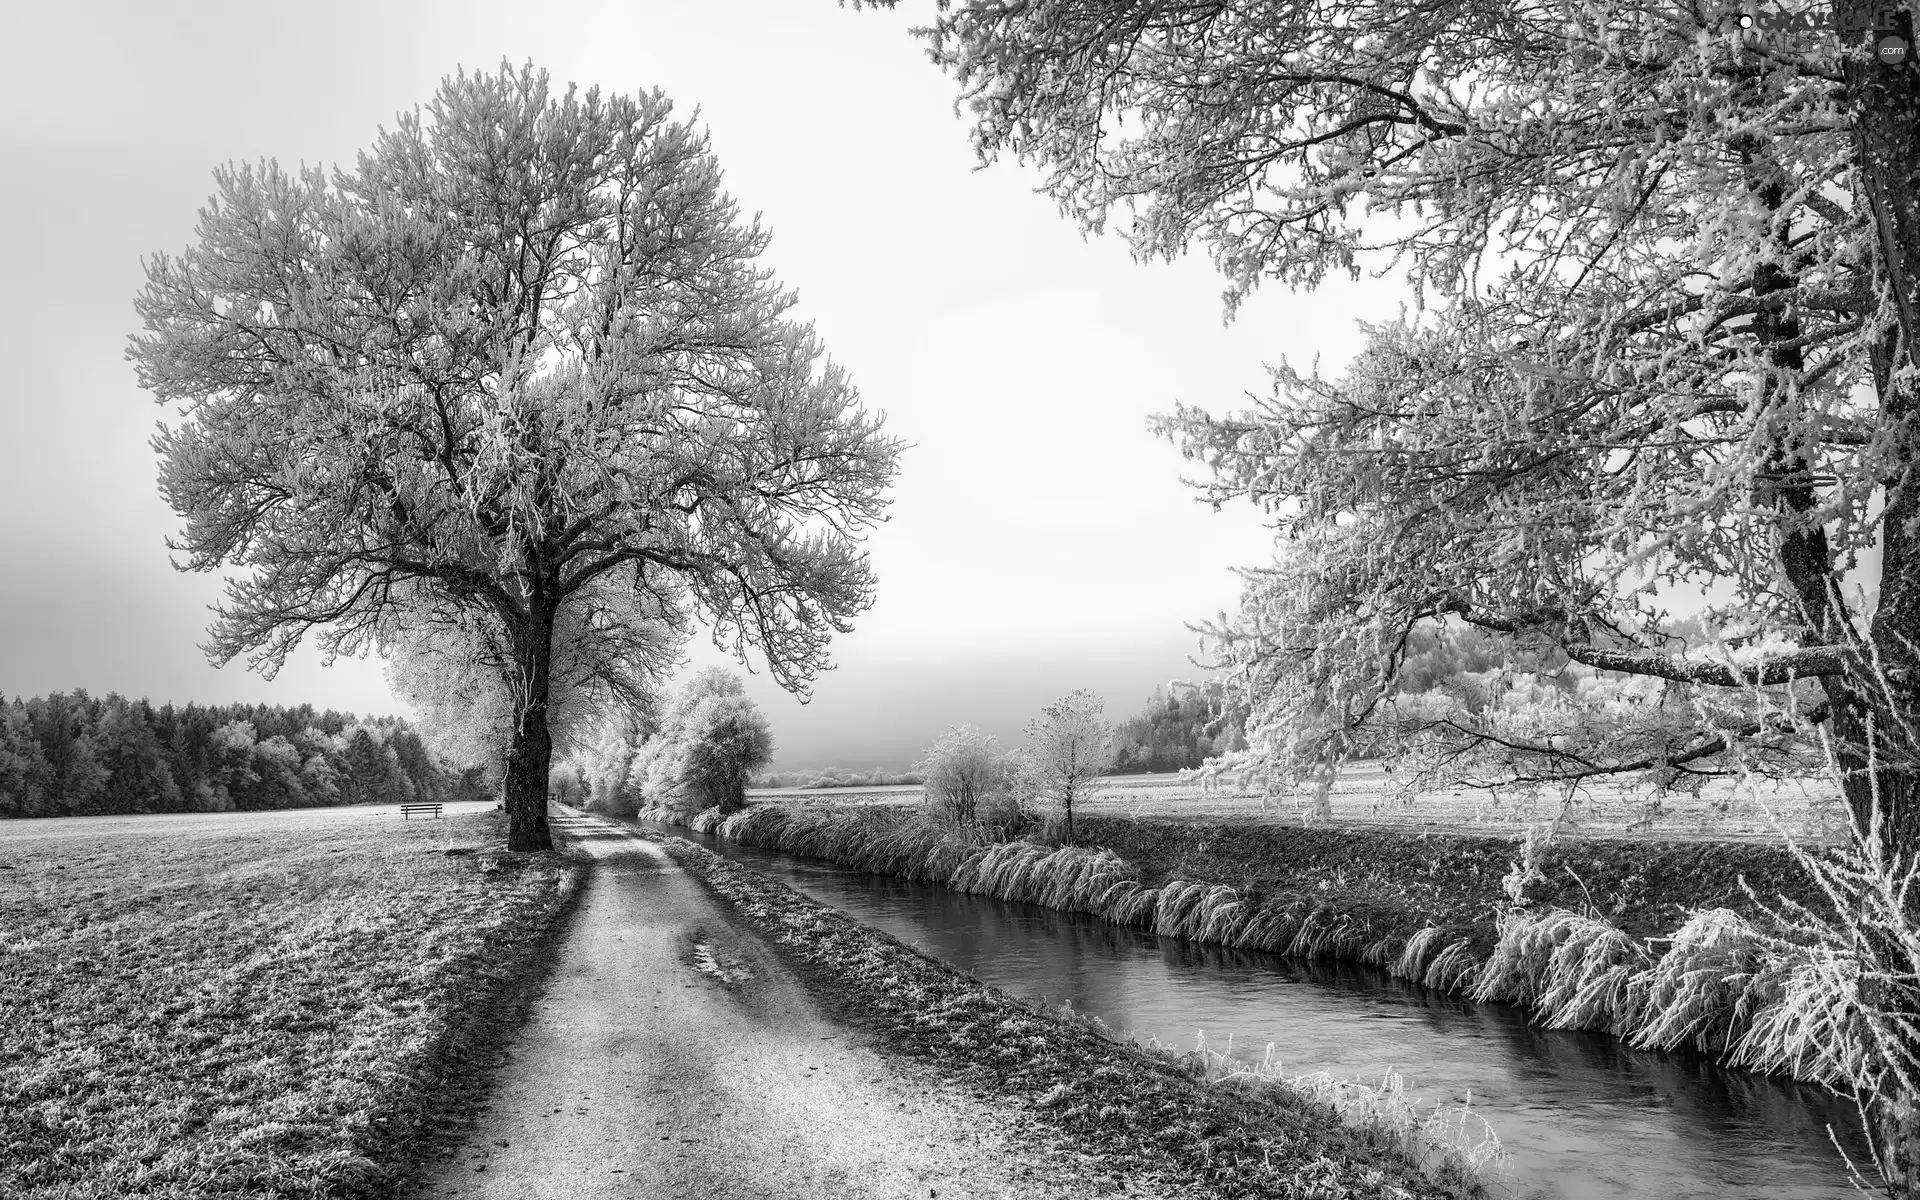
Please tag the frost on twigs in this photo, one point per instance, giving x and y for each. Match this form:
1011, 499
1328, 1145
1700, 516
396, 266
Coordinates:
1655, 357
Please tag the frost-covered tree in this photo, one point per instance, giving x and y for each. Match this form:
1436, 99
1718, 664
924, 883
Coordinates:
1669, 349
1267, 128
710, 741
606, 760
369, 771
1181, 727
1069, 747
137, 776
522, 348
75, 780
727, 739
276, 763
1666, 352
458, 685
23, 768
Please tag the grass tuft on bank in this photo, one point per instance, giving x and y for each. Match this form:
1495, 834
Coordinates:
1443, 1139
206, 1012
1146, 1119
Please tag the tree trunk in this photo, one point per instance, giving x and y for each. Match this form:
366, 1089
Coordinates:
1877, 756
1874, 713
1874, 726
1876, 742
530, 754
1884, 104
733, 792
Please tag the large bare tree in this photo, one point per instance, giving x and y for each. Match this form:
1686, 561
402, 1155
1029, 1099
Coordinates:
522, 349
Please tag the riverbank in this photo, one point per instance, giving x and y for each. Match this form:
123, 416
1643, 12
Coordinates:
1659, 943
303, 1010
1139, 1122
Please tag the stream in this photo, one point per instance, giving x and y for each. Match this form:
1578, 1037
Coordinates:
1581, 1115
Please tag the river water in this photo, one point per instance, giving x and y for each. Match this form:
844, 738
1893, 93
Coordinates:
1582, 1116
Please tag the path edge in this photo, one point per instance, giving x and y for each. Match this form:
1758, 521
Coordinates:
457, 1071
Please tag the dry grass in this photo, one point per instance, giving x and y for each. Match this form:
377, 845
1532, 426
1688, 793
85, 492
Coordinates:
1420, 949
1071, 878
1723, 986
209, 1013
1579, 972
1696, 994
1448, 1143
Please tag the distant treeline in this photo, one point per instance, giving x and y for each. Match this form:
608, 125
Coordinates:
70, 754
1178, 730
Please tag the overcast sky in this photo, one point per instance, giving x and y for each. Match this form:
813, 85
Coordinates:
1040, 540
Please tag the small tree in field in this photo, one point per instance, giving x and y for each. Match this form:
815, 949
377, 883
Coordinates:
523, 349
964, 771
1071, 748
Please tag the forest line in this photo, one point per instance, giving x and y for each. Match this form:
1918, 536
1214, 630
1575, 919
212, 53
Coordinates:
72, 754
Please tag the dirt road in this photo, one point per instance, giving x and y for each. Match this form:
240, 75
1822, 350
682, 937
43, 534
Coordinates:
673, 1055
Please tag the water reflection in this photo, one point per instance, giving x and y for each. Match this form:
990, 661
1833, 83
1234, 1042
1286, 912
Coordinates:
1583, 1116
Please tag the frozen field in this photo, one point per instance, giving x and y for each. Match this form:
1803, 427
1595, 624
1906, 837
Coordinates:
1807, 809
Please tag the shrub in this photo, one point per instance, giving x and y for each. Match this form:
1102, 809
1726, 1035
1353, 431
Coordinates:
1005, 815
965, 773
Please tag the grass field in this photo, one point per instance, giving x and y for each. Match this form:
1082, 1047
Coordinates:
1362, 796
221, 1010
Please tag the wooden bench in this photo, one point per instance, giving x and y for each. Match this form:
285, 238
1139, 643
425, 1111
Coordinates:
407, 810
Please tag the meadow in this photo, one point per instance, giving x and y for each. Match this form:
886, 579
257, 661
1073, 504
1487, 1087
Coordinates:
239, 1006
1365, 796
